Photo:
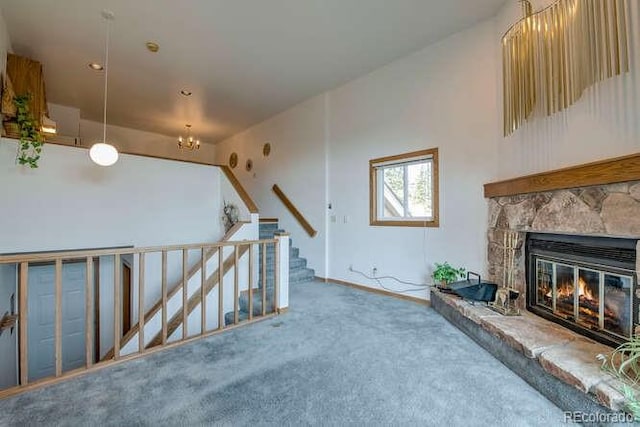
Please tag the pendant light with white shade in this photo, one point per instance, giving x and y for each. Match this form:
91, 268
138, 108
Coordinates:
101, 153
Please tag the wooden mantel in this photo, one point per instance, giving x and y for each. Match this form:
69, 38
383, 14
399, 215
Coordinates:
611, 171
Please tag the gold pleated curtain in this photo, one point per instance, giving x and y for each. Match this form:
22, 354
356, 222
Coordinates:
550, 57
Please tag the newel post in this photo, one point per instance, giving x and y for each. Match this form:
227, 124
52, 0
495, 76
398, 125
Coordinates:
282, 271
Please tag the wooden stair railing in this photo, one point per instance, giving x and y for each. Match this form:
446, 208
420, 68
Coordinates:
239, 189
174, 290
196, 298
189, 302
294, 211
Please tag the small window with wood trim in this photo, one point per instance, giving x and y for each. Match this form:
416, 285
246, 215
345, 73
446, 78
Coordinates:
404, 189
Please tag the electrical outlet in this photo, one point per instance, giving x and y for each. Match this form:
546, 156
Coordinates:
374, 271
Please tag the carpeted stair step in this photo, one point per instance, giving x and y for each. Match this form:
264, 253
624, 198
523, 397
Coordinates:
243, 304
293, 253
257, 301
302, 275
268, 226
269, 233
297, 262
298, 271
228, 317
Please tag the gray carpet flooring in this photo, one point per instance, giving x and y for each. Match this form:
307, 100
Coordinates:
339, 356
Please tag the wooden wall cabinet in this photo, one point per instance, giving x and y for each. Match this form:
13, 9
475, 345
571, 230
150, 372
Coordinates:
26, 77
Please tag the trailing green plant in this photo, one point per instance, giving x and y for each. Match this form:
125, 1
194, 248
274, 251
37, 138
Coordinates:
624, 364
446, 273
31, 140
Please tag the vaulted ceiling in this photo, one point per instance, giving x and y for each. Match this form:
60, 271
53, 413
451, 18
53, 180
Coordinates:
244, 60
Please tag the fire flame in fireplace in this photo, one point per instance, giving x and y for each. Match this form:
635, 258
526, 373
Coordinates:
566, 290
583, 290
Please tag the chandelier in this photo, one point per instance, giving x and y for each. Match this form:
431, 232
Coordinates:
552, 56
188, 142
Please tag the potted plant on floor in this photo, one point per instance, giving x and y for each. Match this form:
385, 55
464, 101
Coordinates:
444, 274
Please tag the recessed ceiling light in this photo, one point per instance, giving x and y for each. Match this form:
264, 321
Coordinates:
95, 66
152, 47
185, 92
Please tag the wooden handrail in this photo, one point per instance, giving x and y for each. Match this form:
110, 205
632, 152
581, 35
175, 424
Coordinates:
239, 189
180, 317
51, 256
195, 299
294, 211
175, 289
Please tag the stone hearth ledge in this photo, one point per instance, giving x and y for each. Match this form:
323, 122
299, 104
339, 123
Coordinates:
563, 354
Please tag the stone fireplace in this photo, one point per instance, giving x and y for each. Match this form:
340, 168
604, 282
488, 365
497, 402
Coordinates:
592, 290
576, 268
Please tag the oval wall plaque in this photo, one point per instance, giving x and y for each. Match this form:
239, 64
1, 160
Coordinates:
233, 160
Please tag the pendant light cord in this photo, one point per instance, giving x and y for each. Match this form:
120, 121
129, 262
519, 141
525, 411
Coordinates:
106, 79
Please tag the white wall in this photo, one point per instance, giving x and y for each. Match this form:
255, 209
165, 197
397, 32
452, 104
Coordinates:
296, 164
604, 123
71, 203
443, 96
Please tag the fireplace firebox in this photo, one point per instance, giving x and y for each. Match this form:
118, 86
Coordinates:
584, 283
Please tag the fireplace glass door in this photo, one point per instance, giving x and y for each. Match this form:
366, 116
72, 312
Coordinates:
594, 299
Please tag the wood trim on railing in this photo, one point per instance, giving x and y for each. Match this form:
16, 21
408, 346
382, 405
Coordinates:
58, 317
203, 293
175, 289
23, 292
197, 298
239, 188
294, 211
220, 289
185, 294
267, 220
48, 256
165, 299
89, 312
141, 267
97, 367
236, 286
610, 171
210, 248
194, 300
117, 306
